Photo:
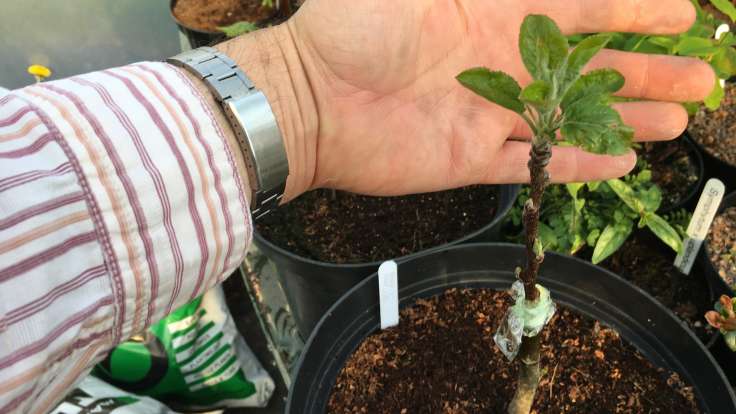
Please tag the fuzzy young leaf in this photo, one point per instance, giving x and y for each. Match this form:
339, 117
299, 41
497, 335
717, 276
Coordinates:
599, 84
495, 86
582, 54
596, 128
543, 47
536, 94
610, 240
664, 231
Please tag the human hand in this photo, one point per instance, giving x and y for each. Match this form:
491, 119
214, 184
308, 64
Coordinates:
366, 96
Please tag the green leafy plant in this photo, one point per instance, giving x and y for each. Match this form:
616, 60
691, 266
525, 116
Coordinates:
723, 318
559, 98
240, 28
601, 215
698, 42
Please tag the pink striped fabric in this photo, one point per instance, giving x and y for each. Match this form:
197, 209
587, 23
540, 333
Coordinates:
119, 201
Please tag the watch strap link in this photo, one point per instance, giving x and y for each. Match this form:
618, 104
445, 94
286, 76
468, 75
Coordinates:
253, 123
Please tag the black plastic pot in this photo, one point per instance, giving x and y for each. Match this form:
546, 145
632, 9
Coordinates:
311, 286
716, 167
719, 286
718, 347
197, 38
591, 290
691, 198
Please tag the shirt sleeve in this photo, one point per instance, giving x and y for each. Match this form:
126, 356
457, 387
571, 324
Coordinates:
119, 201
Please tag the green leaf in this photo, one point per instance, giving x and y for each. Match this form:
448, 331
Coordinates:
593, 237
695, 46
691, 108
713, 100
725, 7
664, 231
573, 189
582, 54
626, 194
729, 337
597, 84
724, 62
238, 29
596, 128
701, 29
548, 237
634, 42
536, 94
666, 42
543, 47
497, 87
593, 185
650, 198
727, 39
610, 240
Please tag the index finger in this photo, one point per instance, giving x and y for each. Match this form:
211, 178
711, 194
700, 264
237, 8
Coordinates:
633, 16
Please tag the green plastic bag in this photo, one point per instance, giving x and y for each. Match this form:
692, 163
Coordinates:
193, 360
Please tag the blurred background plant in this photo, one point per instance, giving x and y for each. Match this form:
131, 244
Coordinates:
239, 28
602, 215
707, 39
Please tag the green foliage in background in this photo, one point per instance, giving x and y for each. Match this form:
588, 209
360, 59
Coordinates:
697, 42
240, 28
602, 215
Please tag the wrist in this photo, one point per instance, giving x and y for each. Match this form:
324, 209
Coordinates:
271, 60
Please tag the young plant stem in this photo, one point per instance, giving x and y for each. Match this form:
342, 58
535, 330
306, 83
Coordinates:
529, 370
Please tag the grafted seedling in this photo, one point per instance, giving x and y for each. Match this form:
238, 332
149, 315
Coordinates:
559, 98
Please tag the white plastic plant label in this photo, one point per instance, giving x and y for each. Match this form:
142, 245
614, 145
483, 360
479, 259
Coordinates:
699, 225
388, 291
523, 319
720, 31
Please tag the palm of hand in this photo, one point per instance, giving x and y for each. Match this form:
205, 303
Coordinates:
386, 70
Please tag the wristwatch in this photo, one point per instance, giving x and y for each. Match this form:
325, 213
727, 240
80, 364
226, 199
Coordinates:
252, 120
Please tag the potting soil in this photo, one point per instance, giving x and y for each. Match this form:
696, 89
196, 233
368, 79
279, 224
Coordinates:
442, 359
716, 130
339, 227
722, 245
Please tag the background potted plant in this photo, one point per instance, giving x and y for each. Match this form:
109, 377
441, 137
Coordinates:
325, 242
205, 22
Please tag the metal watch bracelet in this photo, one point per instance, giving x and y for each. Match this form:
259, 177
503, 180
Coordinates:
252, 120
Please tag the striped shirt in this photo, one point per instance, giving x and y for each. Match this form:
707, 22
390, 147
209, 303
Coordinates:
119, 201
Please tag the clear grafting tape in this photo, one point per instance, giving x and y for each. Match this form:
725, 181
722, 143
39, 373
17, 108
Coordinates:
523, 319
